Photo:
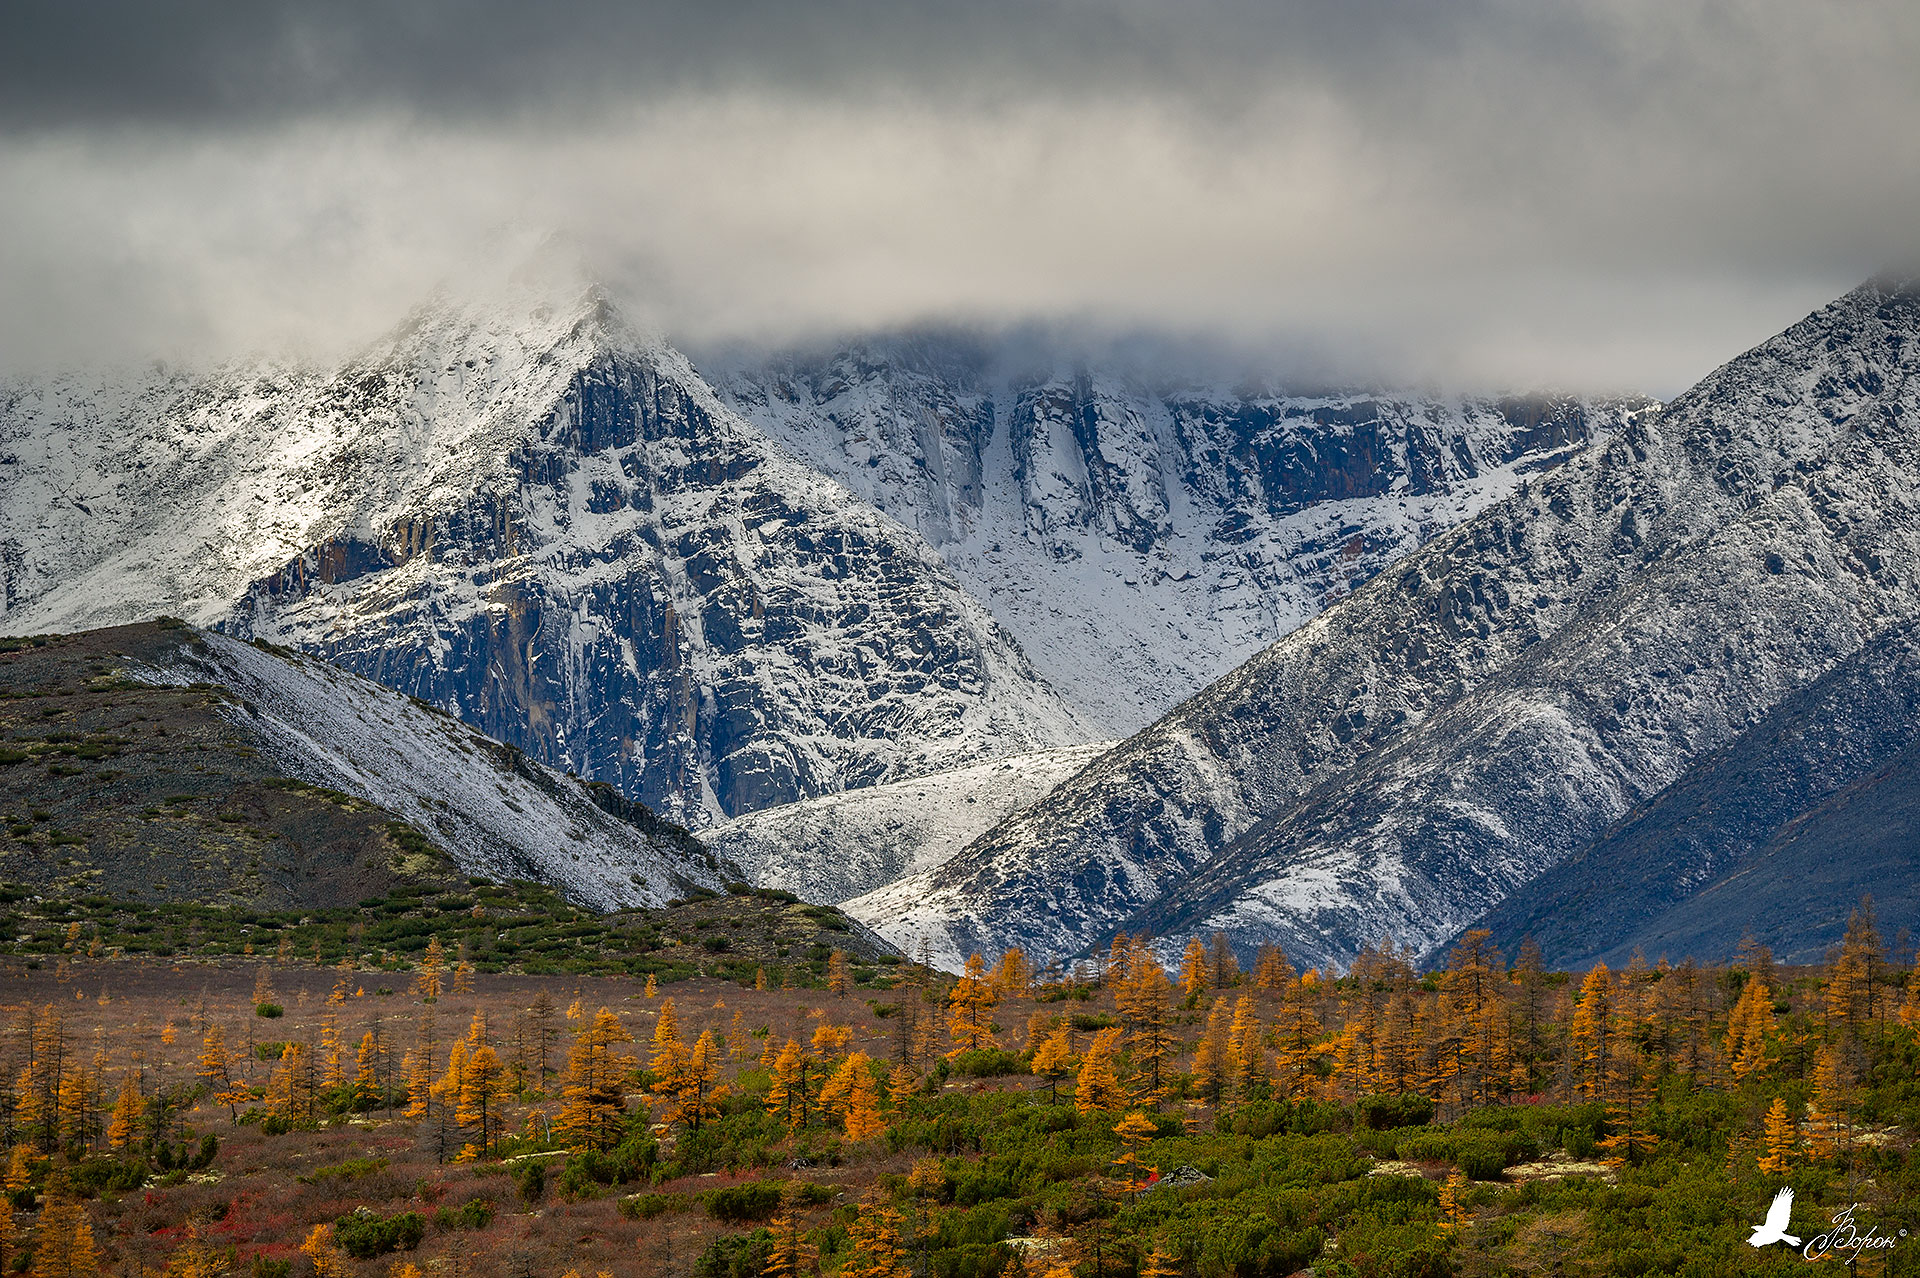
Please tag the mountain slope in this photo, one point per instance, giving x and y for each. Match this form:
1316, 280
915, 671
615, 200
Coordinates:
1461, 723
176, 764
519, 509
841, 845
1140, 537
1778, 833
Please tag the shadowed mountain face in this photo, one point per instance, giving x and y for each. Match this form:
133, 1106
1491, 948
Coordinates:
1777, 834
1461, 724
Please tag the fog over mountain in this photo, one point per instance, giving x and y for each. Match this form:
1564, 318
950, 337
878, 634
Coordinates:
1490, 194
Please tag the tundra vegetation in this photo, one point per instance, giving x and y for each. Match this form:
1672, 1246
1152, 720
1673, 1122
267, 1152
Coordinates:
483, 1081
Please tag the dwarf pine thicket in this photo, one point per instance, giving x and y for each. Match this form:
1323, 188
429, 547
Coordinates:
307, 1095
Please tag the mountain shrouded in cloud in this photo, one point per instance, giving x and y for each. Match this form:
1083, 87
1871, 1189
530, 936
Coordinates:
1606, 196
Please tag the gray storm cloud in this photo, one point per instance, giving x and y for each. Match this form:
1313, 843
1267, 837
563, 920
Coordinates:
1610, 194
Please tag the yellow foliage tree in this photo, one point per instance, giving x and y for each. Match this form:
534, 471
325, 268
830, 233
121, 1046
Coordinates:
1781, 1139
863, 1121
874, 1246
1271, 971
482, 1106
790, 1097
1051, 1060
63, 1245
1246, 1057
1194, 977
839, 975
126, 1113
1749, 1026
1210, 1055
1145, 998
328, 1260
968, 1009
792, 1255
691, 1088
431, 974
1827, 1110
1012, 975
1591, 1036
1098, 1088
593, 1094
1131, 1172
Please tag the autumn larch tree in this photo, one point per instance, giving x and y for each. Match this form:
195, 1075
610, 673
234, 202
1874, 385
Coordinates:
969, 1008
594, 1091
428, 978
1271, 971
792, 1256
863, 1121
1781, 1139
63, 1245
1194, 977
1012, 976
1591, 1035
1749, 1027
483, 1097
1246, 1057
1144, 997
1050, 1061
124, 1125
1098, 1087
790, 1096
1211, 1052
874, 1246
1135, 1131
839, 976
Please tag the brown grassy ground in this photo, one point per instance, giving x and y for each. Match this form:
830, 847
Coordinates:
253, 1197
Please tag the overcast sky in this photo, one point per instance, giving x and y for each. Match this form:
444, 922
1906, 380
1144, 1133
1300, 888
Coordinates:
1485, 192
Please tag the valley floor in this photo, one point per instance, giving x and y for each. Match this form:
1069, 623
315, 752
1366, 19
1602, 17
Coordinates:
402, 1110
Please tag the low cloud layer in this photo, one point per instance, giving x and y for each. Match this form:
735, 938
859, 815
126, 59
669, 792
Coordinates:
1496, 192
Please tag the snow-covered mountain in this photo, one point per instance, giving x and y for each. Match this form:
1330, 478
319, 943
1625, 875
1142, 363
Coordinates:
531, 515
1464, 721
898, 559
1141, 537
1776, 835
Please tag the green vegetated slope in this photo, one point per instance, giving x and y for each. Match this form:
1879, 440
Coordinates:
109, 786
499, 927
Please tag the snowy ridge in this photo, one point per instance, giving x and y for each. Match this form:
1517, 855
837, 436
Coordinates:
520, 510
1141, 542
498, 815
841, 845
1458, 724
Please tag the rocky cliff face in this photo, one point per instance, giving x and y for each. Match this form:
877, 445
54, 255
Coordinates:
1463, 722
889, 561
546, 523
1140, 540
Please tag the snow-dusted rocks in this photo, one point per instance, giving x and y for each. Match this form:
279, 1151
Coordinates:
1141, 540
519, 509
841, 845
1471, 717
897, 560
